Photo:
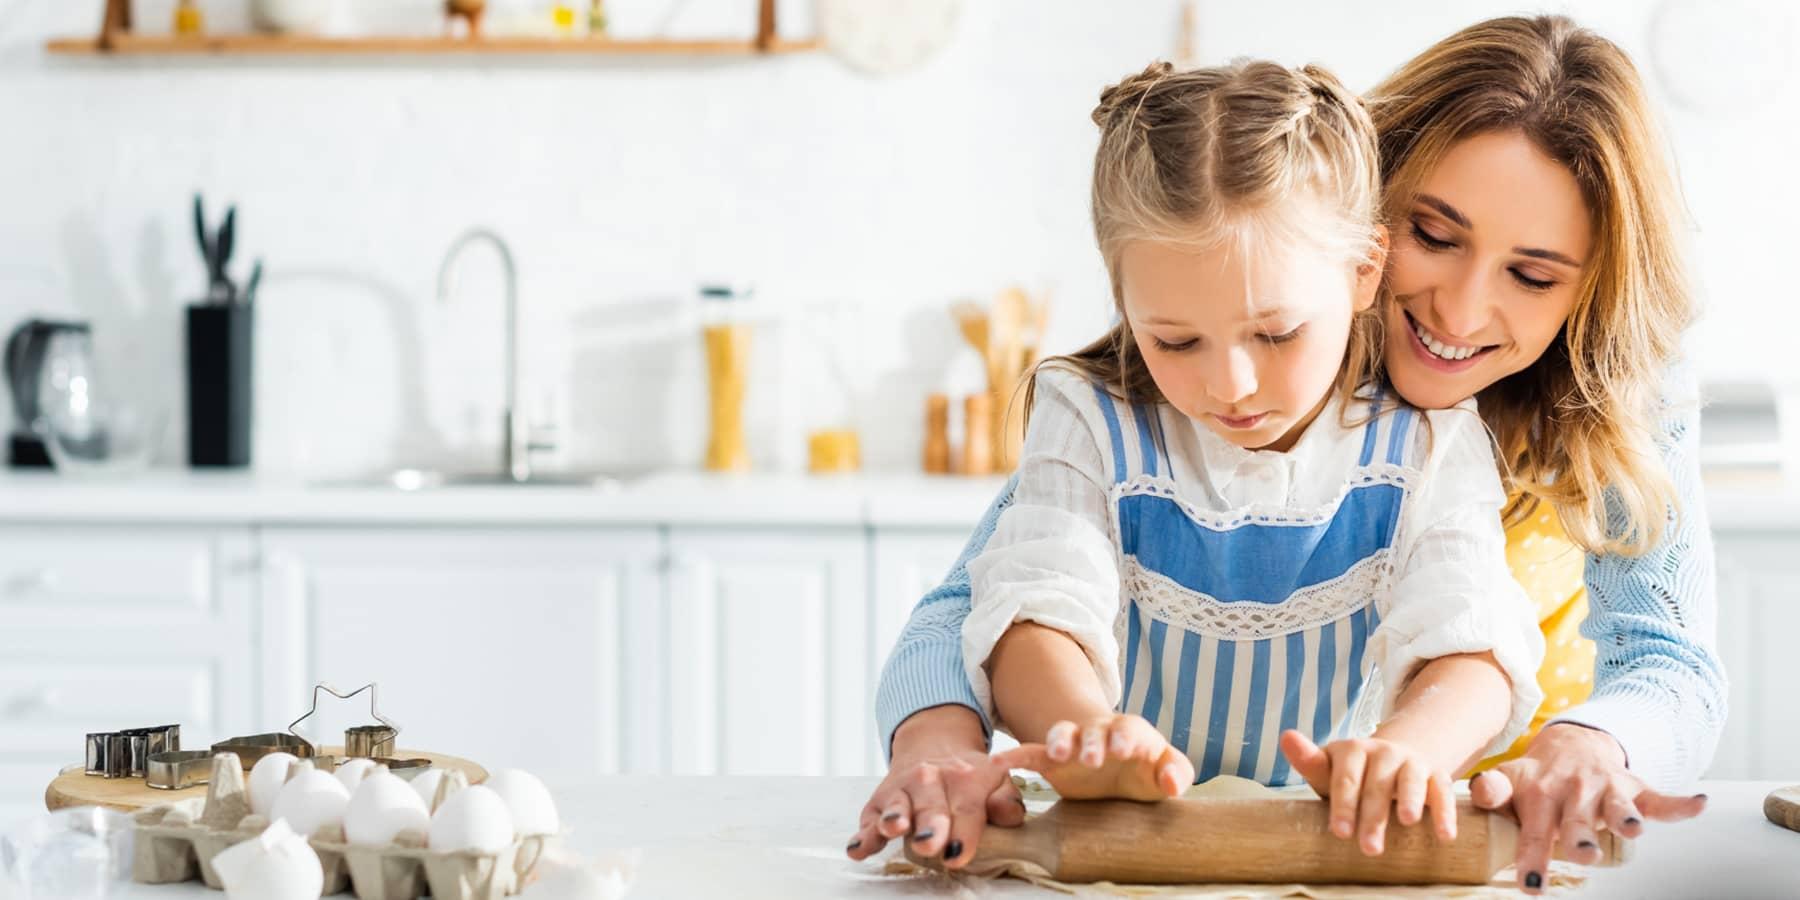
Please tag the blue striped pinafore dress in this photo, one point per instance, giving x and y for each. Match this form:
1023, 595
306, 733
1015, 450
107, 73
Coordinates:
1237, 624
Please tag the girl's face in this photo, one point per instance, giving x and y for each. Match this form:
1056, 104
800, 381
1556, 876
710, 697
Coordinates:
1485, 269
1251, 348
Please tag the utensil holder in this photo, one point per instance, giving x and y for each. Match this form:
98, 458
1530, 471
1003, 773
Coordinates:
220, 343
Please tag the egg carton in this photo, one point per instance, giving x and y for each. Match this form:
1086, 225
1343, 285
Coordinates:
177, 842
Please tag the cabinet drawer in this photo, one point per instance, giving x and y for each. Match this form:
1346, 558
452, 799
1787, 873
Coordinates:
49, 707
89, 572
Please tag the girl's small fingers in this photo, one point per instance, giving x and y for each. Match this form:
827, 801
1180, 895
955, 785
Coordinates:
1174, 772
1346, 788
1093, 745
1307, 760
1377, 803
1442, 798
1122, 744
1409, 794
1060, 741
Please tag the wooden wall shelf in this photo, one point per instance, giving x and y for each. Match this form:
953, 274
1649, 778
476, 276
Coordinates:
117, 38
279, 45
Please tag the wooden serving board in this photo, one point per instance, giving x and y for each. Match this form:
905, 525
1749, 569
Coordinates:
1783, 807
76, 788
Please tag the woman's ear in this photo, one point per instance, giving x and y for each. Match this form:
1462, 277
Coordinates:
1370, 271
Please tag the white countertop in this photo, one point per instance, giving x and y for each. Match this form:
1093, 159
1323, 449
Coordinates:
784, 838
672, 498
889, 500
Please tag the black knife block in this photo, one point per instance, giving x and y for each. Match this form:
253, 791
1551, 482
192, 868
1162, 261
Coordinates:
219, 383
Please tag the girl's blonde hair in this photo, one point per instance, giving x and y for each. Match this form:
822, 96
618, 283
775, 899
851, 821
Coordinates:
1576, 426
1250, 150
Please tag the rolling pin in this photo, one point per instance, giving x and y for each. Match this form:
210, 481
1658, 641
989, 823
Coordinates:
1273, 840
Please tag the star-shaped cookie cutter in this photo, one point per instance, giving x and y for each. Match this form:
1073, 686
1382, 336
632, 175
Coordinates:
367, 741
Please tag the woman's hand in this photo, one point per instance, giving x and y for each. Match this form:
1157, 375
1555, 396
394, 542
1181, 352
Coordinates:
1571, 781
1116, 755
1367, 778
942, 788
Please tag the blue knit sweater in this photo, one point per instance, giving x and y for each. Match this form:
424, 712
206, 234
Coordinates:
1659, 687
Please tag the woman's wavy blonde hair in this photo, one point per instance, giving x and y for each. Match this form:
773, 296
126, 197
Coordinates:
1576, 427
1252, 151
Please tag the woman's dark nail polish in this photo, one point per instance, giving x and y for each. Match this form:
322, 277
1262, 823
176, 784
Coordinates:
1587, 845
924, 835
953, 850
853, 844
1634, 822
890, 817
1533, 880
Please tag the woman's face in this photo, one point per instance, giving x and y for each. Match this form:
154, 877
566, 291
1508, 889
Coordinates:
1484, 270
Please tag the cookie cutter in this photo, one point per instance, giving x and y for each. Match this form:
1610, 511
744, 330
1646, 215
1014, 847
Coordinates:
126, 754
361, 741
176, 769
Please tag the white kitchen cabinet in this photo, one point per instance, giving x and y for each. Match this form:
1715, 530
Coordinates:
514, 647
1759, 580
110, 627
768, 652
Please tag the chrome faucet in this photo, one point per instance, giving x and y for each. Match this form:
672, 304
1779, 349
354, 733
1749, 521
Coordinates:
515, 454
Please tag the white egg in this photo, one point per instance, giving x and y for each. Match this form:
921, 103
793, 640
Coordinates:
310, 801
275, 865
352, 771
474, 818
266, 779
381, 808
533, 812
425, 784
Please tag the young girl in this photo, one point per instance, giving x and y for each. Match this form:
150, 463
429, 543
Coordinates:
1223, 557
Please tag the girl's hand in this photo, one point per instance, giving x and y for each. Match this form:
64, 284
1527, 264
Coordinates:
942, 788
1365, 779
1116, 755
1571, 782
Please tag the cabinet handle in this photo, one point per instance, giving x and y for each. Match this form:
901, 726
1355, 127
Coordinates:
25, 584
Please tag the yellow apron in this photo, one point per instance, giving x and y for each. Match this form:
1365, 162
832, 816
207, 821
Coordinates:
1551, 571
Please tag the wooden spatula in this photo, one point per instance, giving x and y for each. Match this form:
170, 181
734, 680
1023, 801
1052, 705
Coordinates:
1250, 841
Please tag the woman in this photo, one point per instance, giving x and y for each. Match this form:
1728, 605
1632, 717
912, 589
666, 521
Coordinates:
1535, 267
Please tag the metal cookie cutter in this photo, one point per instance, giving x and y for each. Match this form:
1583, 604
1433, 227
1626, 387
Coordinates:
126, 754
177, 769
366, 741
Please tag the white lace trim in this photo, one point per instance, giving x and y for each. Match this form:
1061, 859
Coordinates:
1310, 607
1258, 514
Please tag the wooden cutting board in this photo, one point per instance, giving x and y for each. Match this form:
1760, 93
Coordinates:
1195, 840
1783, 807
77, 788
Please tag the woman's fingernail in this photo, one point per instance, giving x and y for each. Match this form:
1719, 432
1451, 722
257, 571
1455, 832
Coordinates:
1534, 880
953, 850
1587, 845
1700, 797
891, 816
924, 835
853, 844
1633, 822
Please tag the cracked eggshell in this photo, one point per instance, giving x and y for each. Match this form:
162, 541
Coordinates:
474, 818
275, 865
